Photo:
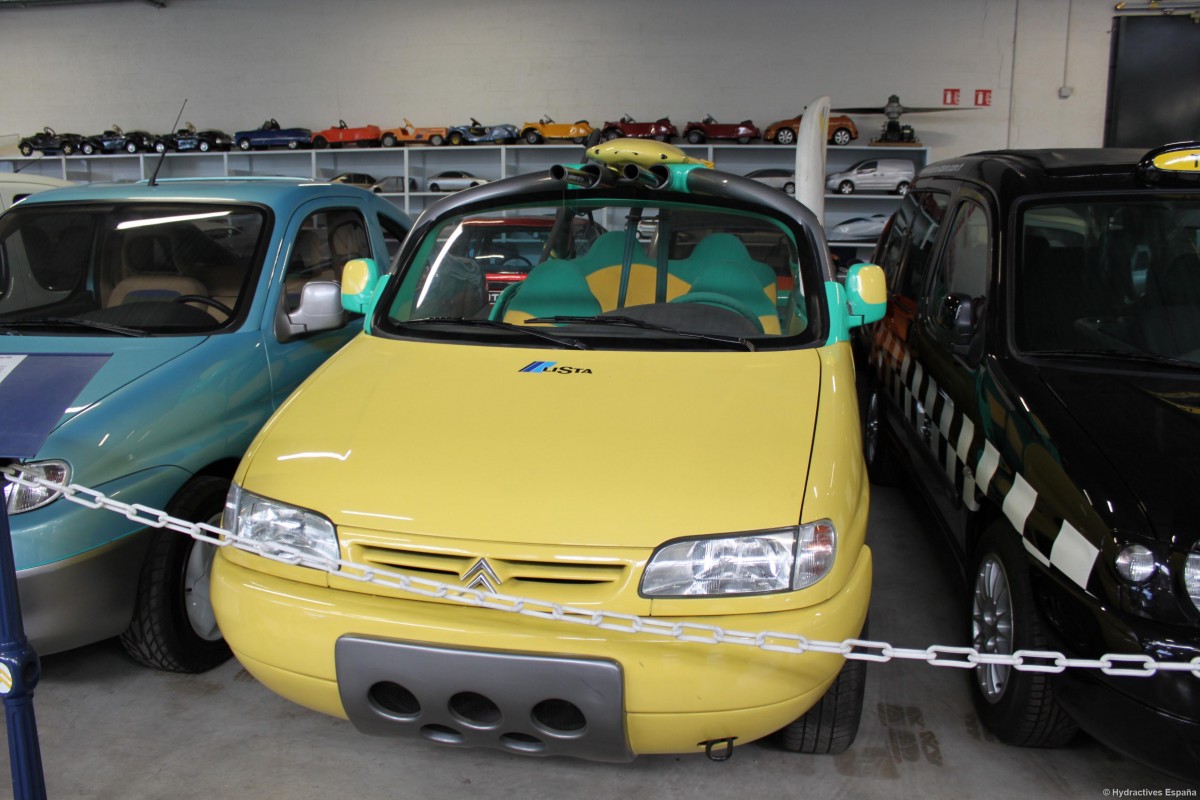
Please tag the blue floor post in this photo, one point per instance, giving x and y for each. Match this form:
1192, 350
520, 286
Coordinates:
19, 673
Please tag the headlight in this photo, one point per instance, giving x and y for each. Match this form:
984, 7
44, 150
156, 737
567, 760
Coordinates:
750, 563
26, 498
1191, 575
278, 528
1135, 563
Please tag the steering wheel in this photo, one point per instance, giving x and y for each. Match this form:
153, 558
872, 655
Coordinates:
723, 302
204, 301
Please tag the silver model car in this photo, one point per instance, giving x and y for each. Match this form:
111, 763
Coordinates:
873, 175
782, 179
452, 180
858, 229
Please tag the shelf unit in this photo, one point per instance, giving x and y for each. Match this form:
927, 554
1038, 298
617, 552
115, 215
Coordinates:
421, 162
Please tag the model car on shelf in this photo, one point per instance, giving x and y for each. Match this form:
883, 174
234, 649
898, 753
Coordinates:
271, 134
546, 128
394, 184
411, 134
117, 140
478, 133
1037, 373
841, 130
627, 127
859, 229
452, 180
669, 375
360, 179
189, 138
212, 300
48, 141
782, 179
342, 135
891, 175
708, 128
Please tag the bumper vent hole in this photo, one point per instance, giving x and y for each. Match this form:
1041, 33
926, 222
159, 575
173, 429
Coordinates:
522, 743
559, 716
475, 708
442, 734
393, 698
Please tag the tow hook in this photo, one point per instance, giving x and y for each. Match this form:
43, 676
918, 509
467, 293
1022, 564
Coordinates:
719, 749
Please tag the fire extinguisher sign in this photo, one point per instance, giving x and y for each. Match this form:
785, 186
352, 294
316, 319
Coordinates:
983, 97
950, 97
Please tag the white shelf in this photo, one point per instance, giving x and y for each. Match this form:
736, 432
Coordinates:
420, 162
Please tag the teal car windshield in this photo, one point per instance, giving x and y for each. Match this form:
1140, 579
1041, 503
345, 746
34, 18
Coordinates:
1114, 276
608, 268
127, 268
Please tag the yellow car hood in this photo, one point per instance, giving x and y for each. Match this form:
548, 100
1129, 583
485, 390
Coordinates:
601, 447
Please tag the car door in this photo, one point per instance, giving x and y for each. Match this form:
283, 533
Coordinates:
946, 343
321, 238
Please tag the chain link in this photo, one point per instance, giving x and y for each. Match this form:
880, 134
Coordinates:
1044, 661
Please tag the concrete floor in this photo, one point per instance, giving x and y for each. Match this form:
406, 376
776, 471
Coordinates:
110, 729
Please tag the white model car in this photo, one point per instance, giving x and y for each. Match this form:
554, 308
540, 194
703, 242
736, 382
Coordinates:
452, 180
14, 187
873, 175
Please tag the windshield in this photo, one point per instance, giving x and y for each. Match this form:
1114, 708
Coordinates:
1110, 275
613, 272
140, 268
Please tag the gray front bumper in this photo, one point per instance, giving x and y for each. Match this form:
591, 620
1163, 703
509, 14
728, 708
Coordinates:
528, 704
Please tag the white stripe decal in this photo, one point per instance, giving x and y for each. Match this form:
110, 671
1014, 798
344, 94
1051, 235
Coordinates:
989, 462
1073, 554
966, 435
1018, 503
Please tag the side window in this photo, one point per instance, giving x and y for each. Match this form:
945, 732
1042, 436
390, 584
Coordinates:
325, 242
393, 236
904, 253
958, 293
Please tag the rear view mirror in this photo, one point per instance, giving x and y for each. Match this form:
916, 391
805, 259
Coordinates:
320, 309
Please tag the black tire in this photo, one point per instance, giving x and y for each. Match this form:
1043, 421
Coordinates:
743, 140
243, 144
841, 137
87, 148
26, 149
388, 140
160, 147
163, 634
785, 135
846, 187
293, 144
68, 148
436, 140
789, 188
455, 139
433, 187
695, 137
203, 146
531, 136
611, 133
130, 147
320, 143
830, 727
882, 467
902, 188
1018, 707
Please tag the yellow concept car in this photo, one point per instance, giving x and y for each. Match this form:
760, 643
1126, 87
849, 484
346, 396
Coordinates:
657, 424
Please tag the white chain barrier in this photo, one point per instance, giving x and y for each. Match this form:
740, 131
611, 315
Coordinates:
1046, 661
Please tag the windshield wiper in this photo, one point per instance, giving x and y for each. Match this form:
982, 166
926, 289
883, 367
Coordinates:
560, 341
632, 322
1121, 355
69, 322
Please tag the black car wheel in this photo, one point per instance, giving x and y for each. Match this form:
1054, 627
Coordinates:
789, 188
612, 133
320, 143
841, 137
456, 138
173, 626
785, 135
160, 147
203, 146
533, 137
902, 188
743, 140
25, 148
87, 148
388, 140
1018, 707
243, 144
437, 140
68, 148
830, 727
846, 187
293, 144
881, 463
695, 137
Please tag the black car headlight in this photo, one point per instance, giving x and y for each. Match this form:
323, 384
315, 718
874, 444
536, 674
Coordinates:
279, 529
757, 562
1151, 577
21, 498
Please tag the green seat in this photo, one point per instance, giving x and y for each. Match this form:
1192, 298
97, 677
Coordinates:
552, 288
720, 266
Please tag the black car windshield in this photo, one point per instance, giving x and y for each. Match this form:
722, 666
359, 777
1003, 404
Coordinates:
120, 268
696, 276
1110, 275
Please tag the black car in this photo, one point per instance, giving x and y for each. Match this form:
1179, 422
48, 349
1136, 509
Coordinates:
1038, 372
116, 140
47, 141
188, 138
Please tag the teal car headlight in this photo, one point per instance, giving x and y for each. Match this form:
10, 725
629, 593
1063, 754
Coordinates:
277, 528
780, 560
20, 498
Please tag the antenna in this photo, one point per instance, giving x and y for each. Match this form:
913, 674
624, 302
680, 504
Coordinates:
163, 155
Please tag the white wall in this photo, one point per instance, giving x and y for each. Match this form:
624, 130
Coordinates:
311, 62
